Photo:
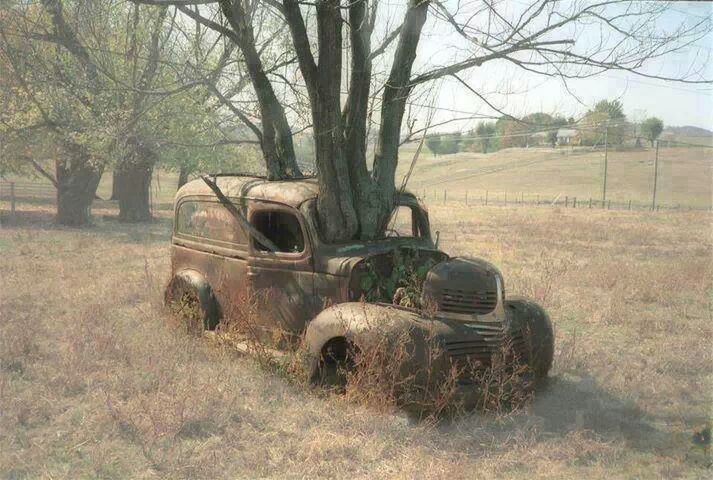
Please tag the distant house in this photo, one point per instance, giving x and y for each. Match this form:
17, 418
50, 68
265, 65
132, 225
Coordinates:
567, 136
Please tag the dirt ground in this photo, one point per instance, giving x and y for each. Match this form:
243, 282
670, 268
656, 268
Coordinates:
94, 384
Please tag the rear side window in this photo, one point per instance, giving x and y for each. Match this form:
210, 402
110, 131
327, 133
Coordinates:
209, 220
282, 228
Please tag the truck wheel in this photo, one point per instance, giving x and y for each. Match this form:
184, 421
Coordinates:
536, 325
194, 307
335, 364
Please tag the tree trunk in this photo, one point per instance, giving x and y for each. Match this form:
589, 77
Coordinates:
276, 142
115, 185
77, 184
135, 173
182, 177
335, 204
396, 92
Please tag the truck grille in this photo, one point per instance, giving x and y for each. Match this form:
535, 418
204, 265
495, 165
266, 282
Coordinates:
477, 302
489, 340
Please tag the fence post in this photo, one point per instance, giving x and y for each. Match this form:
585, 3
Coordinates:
566, 201
590, 202
574, 202
629, 204
12, 201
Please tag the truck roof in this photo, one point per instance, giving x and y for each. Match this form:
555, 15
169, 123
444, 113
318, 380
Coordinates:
291, 192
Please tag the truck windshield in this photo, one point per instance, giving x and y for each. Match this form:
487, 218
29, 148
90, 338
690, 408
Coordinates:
402, 223
406, 221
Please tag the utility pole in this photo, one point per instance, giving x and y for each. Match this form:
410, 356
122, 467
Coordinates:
606, 152
656, 176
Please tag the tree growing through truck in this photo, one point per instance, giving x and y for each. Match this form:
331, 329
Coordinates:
348, 85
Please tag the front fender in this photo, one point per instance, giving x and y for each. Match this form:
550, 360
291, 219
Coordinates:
349, 321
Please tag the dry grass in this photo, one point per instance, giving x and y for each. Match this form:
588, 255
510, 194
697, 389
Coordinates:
685, 175
95, 384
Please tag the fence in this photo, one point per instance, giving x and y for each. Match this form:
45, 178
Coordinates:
489, 198
14, 192
27, 191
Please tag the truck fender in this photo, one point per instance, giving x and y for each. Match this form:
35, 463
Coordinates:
345, 322
525, 313
195, 282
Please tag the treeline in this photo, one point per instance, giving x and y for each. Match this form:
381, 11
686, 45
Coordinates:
120, 88
606, 122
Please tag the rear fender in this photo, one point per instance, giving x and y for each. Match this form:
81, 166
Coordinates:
197, 282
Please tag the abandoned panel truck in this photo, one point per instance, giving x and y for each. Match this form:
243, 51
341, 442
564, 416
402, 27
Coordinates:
236, 234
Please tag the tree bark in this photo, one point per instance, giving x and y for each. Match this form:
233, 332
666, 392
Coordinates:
368, 203
135, 172
182, 177
115, 185
335, 204
276, 142
77, 182
396, 92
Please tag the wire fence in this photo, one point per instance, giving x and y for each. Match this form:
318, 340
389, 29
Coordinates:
14, 193
26, 191
476, 198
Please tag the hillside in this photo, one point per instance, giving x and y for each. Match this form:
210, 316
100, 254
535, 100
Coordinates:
685, 174
688, 131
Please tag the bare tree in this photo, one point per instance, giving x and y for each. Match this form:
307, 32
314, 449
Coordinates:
561, 39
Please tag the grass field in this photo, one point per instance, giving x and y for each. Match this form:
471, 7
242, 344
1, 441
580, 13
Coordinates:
94, 384
685, 174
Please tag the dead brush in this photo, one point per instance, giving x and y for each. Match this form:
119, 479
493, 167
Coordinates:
503, 387
390, 371
155, 421
19, 345
550, 274
246, 326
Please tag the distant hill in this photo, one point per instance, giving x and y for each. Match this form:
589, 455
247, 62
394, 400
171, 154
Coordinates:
688, 131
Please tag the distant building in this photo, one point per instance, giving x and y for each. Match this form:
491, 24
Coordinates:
567, 136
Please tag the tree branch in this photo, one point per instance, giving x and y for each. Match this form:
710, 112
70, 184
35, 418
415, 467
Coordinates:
230, 206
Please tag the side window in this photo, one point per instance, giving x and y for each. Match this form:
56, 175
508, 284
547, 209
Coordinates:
209, 220
283, 228
401, 223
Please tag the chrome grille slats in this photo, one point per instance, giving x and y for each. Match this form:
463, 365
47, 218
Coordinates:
478, 302
485, 341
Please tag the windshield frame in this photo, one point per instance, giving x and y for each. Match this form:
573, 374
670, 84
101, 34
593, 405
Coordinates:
420, 216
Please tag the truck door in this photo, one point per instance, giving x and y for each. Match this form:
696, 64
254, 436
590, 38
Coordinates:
281, 281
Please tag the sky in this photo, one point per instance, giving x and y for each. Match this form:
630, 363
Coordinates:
676, 103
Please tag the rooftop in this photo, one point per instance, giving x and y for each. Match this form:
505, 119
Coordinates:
291, 192
567, 132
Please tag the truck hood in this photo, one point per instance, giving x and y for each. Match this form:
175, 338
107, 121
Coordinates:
340, 261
